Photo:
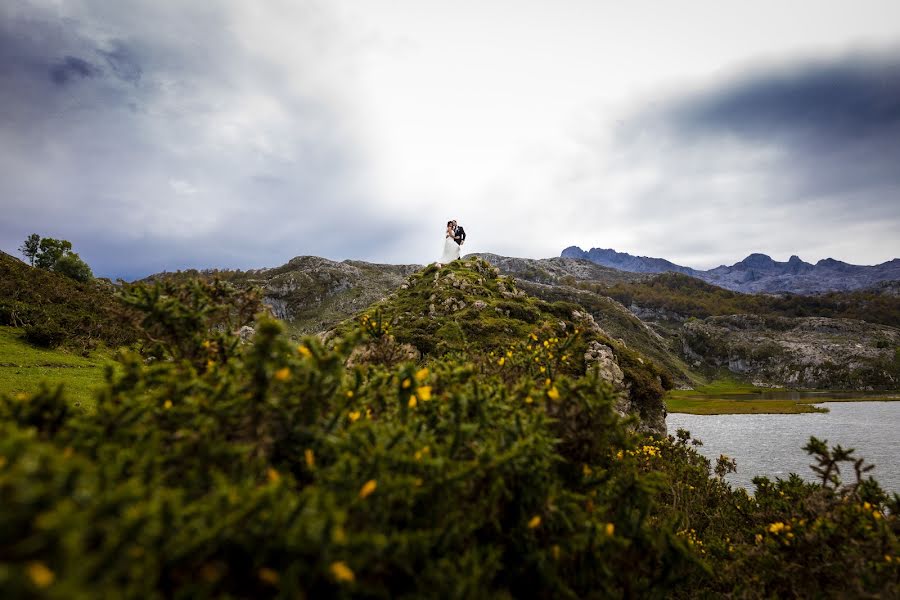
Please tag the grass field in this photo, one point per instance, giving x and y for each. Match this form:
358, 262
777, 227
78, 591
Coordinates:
24, 368
729, 397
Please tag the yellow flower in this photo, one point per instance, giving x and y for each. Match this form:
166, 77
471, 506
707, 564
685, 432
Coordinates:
546, 344
412, 401
867, 506
586, 470
349, 393
210, 364
619, 455
422, 374
406, 383
354, 416
167, 404
553, 393
273, 475
206, 344
367, 488
501, 361
283, 374
268, 575
528, 400
304, 351
543, 369
534, 337
424, 393
341, 572
759, 538
310, 458
775, 528
547, 382
39, 574
610, 529
876, 515
509, 353
534, 522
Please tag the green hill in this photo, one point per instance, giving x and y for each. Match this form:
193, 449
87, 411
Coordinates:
54, 310
468, 307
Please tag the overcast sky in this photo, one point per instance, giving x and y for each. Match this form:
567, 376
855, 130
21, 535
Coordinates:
162, 135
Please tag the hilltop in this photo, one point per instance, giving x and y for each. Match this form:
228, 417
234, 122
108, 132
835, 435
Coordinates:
468, 307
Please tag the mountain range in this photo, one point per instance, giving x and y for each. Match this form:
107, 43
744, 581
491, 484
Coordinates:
758, 273
690, 328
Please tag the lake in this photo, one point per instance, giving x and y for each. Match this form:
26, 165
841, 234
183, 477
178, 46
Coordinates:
771, 445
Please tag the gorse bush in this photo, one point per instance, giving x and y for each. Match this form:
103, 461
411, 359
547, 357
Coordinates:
272, 469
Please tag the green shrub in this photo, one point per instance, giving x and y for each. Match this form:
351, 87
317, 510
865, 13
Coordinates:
45, 335
73, 267
215, 469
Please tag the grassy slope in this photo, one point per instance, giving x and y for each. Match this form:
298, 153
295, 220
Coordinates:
711, 399
23, 368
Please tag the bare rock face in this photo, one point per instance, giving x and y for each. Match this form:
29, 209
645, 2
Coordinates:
604, 360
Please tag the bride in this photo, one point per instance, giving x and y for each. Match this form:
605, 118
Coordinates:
451, 248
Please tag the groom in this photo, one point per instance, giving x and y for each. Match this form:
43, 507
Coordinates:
459, 234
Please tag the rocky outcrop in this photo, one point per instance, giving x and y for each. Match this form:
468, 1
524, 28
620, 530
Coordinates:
814, 353
556, 271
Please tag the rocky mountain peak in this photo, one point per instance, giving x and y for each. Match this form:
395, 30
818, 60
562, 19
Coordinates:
756, 261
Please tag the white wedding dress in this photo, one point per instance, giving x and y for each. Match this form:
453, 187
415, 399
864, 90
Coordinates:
451, 251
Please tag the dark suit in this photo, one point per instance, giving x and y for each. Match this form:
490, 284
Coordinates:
459, 235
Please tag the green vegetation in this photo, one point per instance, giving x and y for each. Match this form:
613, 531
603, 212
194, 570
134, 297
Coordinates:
466, 307
621, 324
24, 369
275, 470
55, 255
54, 310
731, 397
689, 297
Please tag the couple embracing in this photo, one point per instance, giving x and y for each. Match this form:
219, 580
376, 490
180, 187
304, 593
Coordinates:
455, 236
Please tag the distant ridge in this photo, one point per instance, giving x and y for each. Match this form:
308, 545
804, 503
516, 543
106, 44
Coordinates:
758, 273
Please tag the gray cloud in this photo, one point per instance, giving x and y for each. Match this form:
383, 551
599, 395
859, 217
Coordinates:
794, 159
155, 136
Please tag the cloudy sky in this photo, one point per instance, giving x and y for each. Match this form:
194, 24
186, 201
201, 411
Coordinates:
160, 135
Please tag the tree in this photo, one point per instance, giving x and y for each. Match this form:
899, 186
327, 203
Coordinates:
72, 266
51, 250
29, 247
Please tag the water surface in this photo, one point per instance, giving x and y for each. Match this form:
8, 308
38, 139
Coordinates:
771, 445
